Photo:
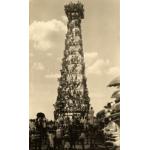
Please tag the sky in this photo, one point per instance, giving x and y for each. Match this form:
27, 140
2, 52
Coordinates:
101, 45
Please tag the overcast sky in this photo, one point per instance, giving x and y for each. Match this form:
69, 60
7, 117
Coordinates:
100, 32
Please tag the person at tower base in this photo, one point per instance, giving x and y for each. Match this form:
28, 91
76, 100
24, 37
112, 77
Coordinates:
91, 116
66, 141
82, 139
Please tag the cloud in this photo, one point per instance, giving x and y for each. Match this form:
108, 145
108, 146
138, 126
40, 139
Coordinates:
43, 33
65, 19
98, 66
95, 68
97, 95
59, 59
95, 65
90, 57
49, 54
52, 76
38, 66
113, 71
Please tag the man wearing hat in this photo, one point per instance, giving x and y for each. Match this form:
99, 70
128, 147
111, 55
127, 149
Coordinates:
110, 125
111, 132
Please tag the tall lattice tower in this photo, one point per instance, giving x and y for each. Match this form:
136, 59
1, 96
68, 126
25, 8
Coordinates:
73, 96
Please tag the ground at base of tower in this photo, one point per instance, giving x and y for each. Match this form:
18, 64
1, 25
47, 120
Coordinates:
98, 146
78, 147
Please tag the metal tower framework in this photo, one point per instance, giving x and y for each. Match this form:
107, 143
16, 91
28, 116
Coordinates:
73, 96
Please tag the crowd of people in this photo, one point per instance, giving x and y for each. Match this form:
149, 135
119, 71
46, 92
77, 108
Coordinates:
64, 133
69, 132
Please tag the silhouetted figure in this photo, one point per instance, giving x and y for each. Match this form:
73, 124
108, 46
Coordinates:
58, 139
73, 136
82, 139
66, 141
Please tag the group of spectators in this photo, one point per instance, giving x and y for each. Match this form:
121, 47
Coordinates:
70, 133
64, 133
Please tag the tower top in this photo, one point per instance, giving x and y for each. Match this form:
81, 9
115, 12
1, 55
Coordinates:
74, 10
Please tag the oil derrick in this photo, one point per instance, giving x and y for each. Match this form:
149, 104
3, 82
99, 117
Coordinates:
73, 96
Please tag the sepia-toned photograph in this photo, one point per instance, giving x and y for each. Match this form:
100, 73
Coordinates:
74, 75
